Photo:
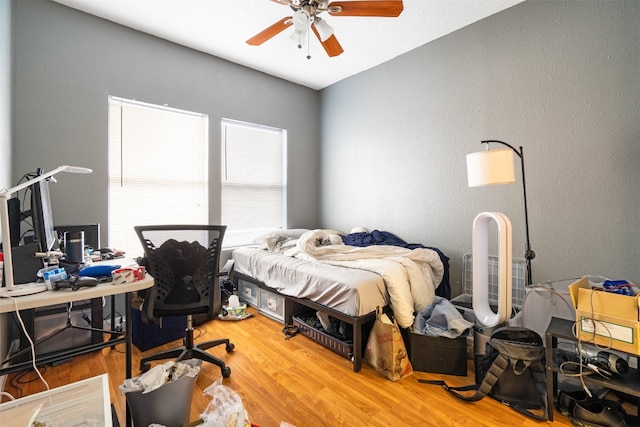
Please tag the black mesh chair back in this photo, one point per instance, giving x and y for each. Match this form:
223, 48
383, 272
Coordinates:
184, 263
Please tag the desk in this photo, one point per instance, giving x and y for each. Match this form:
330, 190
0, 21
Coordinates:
63, 296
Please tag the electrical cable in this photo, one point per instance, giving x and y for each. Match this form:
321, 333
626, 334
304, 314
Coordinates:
4, 393
31, 344
585, 363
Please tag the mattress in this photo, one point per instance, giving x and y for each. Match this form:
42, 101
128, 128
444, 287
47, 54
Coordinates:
350, 291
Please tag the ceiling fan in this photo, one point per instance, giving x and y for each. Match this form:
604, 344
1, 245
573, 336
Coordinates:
305, 17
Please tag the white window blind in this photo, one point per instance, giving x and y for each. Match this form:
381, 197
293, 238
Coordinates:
158, 172
254, 180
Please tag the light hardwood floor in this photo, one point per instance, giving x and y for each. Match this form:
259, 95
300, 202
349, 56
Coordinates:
300, 382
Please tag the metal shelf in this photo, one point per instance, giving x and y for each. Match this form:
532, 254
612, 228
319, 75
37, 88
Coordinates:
628, 382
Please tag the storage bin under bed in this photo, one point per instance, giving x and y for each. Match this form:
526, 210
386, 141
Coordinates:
343, 348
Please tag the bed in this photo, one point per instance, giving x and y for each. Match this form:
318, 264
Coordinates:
315, 269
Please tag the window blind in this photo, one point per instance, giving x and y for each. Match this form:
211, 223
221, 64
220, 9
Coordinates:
253, 180
158, 169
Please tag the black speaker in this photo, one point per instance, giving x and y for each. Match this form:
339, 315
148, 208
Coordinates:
13, 205
25, 264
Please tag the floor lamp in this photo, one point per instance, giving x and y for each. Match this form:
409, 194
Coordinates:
497, 167
5, 194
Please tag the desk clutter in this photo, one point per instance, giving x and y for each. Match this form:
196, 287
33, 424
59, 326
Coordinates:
77, 275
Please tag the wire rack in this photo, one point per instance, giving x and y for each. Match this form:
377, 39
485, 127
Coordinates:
518, 280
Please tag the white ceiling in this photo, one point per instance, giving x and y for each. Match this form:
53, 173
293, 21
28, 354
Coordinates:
221, 28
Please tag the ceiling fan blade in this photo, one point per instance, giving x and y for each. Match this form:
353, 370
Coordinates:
285, 2
380, 8
271, 31
331, 45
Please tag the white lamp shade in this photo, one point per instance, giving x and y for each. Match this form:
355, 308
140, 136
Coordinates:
490, 167
301, 20
324, 30
300, 37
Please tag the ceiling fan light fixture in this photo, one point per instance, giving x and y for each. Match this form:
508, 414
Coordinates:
301, 20
324, 30
300, 37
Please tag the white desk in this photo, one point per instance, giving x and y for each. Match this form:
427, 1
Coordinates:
63, 296
86, 402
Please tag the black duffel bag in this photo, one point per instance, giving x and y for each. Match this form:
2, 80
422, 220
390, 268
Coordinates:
512, 371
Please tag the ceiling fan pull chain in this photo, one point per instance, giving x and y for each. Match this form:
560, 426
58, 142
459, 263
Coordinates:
308, 46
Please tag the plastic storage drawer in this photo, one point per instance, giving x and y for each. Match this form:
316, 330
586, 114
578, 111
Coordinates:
271, 304
248, 292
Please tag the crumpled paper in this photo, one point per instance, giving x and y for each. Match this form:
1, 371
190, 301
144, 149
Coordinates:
159, 375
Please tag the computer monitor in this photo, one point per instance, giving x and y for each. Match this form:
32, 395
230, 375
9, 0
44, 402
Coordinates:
42, 216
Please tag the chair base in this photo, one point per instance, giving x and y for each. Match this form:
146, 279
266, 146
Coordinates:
192, 351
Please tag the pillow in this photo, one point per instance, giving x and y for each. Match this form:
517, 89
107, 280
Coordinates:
330, 232
292, 233
358, 230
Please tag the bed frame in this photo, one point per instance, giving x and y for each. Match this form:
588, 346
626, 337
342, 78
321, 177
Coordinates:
294, 306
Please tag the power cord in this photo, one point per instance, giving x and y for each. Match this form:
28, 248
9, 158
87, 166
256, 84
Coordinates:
592, 366
31, 344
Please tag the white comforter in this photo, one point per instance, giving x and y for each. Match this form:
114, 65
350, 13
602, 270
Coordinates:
411, 276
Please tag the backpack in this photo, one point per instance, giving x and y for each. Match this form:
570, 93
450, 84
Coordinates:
512, 372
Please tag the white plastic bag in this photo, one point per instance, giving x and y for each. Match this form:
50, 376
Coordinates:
225, 409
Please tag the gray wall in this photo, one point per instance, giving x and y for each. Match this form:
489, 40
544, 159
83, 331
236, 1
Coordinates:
5, 130
561, 78
66, 65
5, 94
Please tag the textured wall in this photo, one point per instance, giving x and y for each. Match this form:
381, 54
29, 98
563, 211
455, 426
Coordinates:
562, 79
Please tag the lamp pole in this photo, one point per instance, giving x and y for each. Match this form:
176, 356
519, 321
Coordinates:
529, 254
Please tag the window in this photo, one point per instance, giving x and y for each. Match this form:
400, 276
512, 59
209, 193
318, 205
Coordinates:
254, 180
158, 172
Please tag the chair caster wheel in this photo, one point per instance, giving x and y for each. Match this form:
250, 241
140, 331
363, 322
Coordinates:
226, 372
144, 367
230, 348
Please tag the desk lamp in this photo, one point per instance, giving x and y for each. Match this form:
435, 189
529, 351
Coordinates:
492, 167
10, 289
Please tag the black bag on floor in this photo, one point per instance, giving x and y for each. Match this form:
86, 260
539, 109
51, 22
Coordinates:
512, 372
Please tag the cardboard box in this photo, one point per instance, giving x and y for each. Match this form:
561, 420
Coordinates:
606, 319
440, 355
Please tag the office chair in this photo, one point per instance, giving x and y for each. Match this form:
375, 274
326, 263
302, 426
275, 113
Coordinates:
184, 262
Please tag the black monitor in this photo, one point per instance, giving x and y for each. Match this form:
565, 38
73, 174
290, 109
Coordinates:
43, 229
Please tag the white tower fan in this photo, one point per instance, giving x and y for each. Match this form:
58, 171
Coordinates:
482, 310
